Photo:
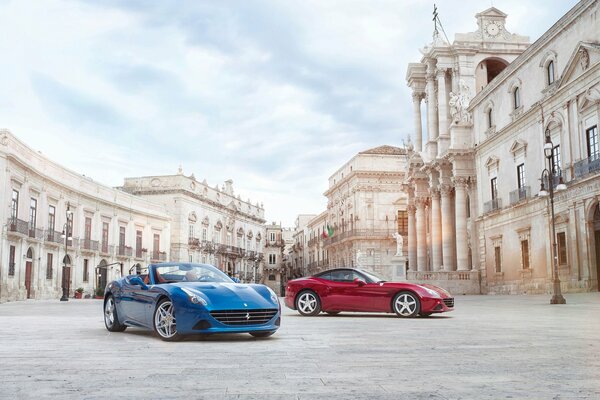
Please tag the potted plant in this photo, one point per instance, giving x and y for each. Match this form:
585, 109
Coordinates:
99, 293
79, 293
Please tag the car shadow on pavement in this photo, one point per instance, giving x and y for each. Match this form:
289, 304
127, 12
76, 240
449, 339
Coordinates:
220, 337
369, 315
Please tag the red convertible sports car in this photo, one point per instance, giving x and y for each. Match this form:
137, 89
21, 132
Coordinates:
346, 289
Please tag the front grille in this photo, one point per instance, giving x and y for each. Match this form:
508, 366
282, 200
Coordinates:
244, 317
449, 302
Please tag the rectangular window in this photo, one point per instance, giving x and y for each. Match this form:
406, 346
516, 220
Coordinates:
561, 242
32, 214
403, 222
494, 188
204, 233
105, 237
592, 143
87, 234
191, 232
272, 236
138, 243
14, 206
49, 262
156, 243
272, 259
51, 219
525, 254
498, 258
521, 176
556, 159
11, 261
121, 236
86, 271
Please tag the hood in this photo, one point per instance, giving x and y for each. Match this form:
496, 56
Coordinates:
231, 296
442, 292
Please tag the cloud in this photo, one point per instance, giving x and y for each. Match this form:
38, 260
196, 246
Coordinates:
276, 95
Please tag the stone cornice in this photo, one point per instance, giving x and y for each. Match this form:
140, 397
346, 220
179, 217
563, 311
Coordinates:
201, 199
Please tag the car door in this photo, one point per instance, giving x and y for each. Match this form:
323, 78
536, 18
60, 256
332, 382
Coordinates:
345, 294
131, 304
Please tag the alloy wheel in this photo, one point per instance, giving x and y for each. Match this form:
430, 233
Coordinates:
164, 320
406, 305
307, 303
109, 312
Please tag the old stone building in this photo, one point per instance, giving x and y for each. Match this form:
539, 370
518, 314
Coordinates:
476, 221
366, 209
63, 230
208, 224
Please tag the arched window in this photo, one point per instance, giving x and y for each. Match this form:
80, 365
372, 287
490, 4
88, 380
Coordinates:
550, 72
517, 97
489, 118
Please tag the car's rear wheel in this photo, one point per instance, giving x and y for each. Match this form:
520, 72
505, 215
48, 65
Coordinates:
262, 334
406, 304
308, 303
111, 319
165, 324
332, 312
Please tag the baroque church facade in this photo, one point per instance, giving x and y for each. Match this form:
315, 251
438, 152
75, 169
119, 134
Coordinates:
478, 220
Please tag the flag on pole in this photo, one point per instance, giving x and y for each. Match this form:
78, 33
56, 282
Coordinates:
329, 231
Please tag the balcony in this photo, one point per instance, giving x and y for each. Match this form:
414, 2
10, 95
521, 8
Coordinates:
107, 249
231, 251
140, 253
520, 194
492, 205
359, 234
587, 166
124, 251
54, 237
194, 243
159, 256
91, 245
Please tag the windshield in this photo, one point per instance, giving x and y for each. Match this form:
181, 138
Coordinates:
189, 273
371, 276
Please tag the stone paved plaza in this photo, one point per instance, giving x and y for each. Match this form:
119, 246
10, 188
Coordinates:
491, 347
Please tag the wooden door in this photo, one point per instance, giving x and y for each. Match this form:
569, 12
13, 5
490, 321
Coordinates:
28, 271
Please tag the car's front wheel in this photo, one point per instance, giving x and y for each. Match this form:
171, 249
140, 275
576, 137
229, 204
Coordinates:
406, 304
308, 303
165, 324
262, 334
111, 319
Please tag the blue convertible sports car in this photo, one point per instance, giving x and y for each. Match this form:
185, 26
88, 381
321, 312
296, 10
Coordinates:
176, 299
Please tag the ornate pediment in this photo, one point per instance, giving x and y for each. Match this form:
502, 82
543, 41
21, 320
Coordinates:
585, 55
518, 147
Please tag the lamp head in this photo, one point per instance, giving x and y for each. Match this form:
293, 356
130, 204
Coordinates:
543, 192
561, 185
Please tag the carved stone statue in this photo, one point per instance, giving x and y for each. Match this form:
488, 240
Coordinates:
459, 102
358, 260
399, 244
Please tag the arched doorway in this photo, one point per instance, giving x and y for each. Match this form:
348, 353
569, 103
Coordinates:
28, 271
101, 276
596, 228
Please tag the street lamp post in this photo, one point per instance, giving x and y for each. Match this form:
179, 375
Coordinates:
67, 235
550, 173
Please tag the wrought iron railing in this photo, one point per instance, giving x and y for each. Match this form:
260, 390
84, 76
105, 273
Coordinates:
587, 166
360, 234
520, 194
88, 244
492, 205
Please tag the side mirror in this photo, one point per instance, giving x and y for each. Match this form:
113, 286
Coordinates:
236, 280
359, 282
136, 280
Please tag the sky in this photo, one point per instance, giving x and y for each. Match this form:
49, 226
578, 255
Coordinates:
275, 95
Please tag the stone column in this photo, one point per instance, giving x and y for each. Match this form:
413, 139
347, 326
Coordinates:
432, 113
447, 228
417, 97
421, 234
462, 246
412, 239
442, 106
436, 231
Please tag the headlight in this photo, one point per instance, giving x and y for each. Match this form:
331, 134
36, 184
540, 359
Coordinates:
274, 297
432, 293
194, 297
